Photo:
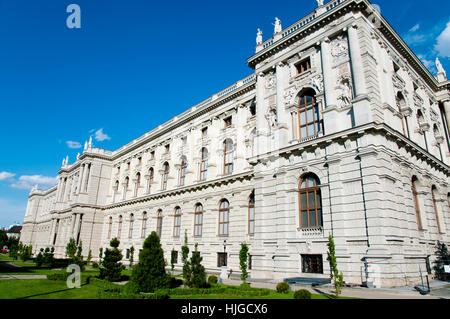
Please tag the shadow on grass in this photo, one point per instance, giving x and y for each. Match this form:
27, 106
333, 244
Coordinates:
323, 293
51, 292
7, 267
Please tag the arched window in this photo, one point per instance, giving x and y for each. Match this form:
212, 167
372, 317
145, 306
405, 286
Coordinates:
308, 115
151, 176
119, 230
144, 225
138, 184
224, 217
116, 187
204, 164
165, 176
228, 156
401, 104
159, 221
177, 222
416, 202
125, 187
198, 220
310, 202
110, 227
251, 214
433, 196
130, 232
183, 168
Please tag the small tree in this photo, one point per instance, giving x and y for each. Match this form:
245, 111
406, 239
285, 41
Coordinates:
173, 256
150, 273
443, 258
184, 257
40, 258
3, 239
131, 256
243, 255
71, 249
48, 259
335, 276
111, 269
89, 256
100, 255
198, 274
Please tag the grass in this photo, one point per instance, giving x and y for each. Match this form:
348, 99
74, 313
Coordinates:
50, 289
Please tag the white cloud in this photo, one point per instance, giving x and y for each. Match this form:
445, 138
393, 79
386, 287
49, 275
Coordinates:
414, 28
6, 175
429, 64
100, 136
443, 42
27, 182
74, 145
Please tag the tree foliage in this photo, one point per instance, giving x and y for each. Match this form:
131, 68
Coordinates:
443, 258
150, 274
336, 277
198, 274
111, 269
243, 256
184, 258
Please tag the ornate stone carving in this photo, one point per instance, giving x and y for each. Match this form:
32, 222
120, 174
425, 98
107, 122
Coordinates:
271, 80
339, 49
271, 117
317, 82
345, 95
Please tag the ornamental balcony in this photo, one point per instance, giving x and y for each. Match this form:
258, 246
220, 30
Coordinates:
311, 232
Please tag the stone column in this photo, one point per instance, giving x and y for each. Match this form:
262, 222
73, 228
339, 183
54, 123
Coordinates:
361, 106
83, 178
80, 178
327, 74
356, 62
447, 112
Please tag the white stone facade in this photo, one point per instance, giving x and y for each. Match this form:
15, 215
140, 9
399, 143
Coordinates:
377, 148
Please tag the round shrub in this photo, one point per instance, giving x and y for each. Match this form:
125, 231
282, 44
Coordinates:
95, 264
302, 294
212, 280
283, 287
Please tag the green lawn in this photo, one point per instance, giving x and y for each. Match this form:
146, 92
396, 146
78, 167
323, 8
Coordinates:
50, 289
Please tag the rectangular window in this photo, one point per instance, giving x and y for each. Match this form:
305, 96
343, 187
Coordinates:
204, 132
128, 254
303, 66
312, 264
167, 148
221, 259
152, 155
249, 262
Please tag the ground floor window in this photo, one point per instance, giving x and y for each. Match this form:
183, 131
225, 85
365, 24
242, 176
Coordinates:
249, 262
221, 259
312, 264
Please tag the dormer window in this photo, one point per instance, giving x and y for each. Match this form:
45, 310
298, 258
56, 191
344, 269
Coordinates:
228, 122
303, 66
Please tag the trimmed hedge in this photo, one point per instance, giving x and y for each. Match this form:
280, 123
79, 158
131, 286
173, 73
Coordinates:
212, 280
59, 276
235, 291
283, 287
302, 294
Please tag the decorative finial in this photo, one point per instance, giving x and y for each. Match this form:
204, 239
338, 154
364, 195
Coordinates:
259, 37
90, 142
319, 3
85, 145
78, 156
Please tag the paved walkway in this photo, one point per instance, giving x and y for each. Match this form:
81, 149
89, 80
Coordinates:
439, 290
23, 277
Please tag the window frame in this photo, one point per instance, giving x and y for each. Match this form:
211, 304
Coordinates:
198, 220
317, 203
177, 222
224, 212
304, 107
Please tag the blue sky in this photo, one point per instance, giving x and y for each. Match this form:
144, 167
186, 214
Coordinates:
133, 65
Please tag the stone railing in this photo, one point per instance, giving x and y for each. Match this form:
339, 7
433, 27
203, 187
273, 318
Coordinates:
301, 23
311, 232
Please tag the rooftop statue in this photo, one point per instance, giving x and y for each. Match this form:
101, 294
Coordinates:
277, 26
259, 37
439, 67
